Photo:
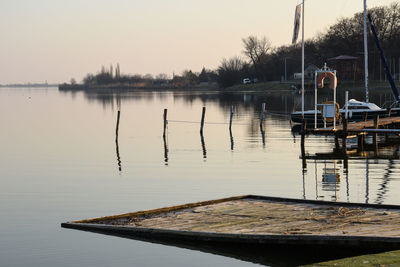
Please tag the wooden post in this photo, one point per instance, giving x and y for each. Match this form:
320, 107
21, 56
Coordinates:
117, 127
230, 119
203, 114
262, 113
361, 141
116, 142
165, 122
336, 141
375, 136
303, 126
376, 122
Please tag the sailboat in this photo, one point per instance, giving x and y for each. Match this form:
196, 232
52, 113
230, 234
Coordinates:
355, 110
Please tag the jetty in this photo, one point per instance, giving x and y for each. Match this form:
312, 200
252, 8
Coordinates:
261, 223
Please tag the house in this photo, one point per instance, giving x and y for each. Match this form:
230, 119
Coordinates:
309, 72
346, 67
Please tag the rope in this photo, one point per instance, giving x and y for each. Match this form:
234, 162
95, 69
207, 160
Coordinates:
216, 123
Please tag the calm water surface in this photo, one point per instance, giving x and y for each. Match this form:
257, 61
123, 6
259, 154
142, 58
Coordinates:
59, 162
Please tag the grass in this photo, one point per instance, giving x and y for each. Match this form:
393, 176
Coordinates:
386, 259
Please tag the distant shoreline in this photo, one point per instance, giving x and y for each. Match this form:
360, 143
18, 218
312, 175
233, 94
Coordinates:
29, 85
117, 87
264, 86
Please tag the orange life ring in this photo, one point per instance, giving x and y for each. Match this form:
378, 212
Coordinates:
337, 111
327, 74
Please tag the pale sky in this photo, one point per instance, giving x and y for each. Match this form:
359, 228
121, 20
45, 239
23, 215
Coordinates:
56, 40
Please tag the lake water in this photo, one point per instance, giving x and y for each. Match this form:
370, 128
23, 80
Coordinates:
59, 162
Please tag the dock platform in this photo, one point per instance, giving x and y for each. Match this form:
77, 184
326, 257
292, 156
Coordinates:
378, 125
262, 220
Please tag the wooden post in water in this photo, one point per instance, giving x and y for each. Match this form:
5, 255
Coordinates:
230, 119
116, 142
117, 127
203, 114
375, 137
165, 122
262, 113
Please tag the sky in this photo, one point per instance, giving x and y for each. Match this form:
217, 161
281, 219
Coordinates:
56, 40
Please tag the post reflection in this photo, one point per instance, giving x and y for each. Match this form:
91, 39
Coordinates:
165, 150
262, 134
203, 146
231, 138
333, 162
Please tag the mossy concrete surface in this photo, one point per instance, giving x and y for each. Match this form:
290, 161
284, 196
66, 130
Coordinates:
387, 259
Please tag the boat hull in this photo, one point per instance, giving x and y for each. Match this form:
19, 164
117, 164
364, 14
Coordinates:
309, 117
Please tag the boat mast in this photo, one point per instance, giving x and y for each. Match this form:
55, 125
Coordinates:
302, 63
365, 52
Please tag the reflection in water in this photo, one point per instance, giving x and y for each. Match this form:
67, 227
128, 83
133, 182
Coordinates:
262, 133
231, 138
330, 178
247, 107
165, 150
203, 145
261, 253
376, 148
385, 181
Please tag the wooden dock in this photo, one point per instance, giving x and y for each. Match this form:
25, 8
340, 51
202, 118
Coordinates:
263, 220
378, 125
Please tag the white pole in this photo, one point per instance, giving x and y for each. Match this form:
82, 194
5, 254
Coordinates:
366, 52
315, 101
302, 63
334, 105
347, 105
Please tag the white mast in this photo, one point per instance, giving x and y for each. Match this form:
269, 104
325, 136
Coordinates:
365, 52
302, 63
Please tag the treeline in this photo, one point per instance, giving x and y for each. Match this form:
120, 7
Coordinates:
109, 76
345, 37
263, 62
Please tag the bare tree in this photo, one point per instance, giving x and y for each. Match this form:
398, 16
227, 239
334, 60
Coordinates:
257, 51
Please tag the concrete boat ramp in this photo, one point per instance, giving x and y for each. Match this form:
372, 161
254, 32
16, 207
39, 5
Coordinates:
261, 225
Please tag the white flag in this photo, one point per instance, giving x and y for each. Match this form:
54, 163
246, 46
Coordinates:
297, 16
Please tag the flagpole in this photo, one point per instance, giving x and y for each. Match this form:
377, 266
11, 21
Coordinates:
302, 63
365, 52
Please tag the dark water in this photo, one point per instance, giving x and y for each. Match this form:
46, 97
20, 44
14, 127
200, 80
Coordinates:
60, 162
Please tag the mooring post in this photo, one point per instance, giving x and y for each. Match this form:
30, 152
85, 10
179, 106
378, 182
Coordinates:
230, 118
336, 141
361, 141
116, 142
375, 137
262, 113
203, 114
165, 122
117, 127
303, 126
376, 122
